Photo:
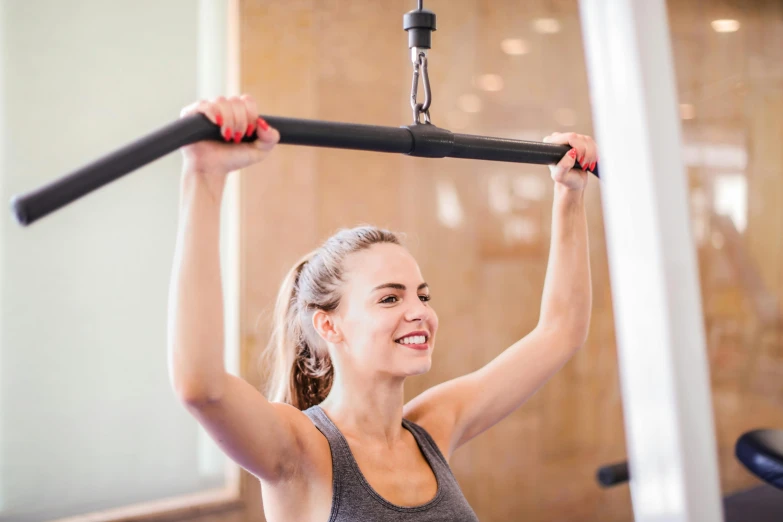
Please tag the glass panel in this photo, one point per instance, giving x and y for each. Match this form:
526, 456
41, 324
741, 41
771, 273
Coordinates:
729, 71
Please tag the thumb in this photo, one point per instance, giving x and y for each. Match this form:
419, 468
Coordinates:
563, 166
267, 139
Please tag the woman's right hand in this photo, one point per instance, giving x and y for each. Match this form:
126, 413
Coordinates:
237, 117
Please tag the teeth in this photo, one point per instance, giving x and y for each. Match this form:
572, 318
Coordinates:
413, 339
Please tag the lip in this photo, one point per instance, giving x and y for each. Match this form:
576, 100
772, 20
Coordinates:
424, 346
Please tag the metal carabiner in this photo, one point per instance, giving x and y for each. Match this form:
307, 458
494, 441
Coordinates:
420, 66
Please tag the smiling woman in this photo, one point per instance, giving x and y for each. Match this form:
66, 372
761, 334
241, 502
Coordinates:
352, 322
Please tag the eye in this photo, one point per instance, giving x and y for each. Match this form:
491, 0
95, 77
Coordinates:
425, 298
390, 299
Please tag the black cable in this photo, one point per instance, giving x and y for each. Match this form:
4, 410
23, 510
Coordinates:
421, 5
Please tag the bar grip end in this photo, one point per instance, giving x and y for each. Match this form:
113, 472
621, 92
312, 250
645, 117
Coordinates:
19, 210
613, 474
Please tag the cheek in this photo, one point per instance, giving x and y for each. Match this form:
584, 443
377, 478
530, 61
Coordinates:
387, 323
374, 326
381, 327
433, 320
356, 324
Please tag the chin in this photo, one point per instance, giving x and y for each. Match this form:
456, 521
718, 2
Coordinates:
410, 362
420, 371
419, 367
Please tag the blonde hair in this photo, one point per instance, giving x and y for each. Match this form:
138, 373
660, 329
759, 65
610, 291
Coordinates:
301, 371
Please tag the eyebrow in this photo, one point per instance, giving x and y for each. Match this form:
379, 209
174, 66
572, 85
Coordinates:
398, 286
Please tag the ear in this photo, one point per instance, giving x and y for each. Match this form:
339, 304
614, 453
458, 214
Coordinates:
325, 326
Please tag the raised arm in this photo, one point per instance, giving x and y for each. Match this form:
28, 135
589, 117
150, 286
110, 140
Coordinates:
258, 435
465, 407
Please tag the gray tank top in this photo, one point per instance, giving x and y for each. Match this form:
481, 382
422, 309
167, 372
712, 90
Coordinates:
353, 499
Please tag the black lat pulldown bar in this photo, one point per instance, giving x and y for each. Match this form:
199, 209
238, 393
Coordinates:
424, 140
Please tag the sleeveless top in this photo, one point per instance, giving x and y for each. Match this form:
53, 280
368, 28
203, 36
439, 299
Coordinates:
353, 498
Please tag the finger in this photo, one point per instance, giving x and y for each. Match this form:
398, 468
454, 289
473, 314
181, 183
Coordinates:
189, 109
564, 165
204, 107
240, 118
251, 113
226, 120
558, 138
592, 153
577, 142
573, 139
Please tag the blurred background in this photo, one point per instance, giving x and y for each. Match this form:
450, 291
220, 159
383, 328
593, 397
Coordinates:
87, 418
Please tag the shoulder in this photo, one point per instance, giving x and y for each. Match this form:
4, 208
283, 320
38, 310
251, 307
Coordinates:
441, 409
437, 422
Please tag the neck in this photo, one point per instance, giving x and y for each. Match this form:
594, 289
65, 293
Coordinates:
366, 408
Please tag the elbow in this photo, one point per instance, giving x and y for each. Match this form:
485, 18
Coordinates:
573, 321
195, 392
577, 339
572, 337
578, 336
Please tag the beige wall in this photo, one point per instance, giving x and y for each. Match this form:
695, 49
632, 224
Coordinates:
348, 61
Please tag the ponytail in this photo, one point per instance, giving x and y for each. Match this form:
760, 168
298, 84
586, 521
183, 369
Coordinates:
301, 375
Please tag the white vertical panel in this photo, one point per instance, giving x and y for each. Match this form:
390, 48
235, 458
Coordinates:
663, 365
85, 386
232, 218
213, 59
3, 199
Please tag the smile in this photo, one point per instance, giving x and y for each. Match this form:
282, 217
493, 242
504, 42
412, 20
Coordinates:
413, 339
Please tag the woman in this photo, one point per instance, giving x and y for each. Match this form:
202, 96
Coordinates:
353, 320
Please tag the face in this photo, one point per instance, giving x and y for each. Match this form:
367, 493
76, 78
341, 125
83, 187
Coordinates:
385, 322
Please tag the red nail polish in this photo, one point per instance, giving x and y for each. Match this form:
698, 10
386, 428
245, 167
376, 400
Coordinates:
237, 137
263, 124
227, 134
572, 153
219, 120
250, 129
592, 166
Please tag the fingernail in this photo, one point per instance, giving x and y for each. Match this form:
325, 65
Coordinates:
219, 120
250, 129
237, 137
263, 124
227, 134
572, 153
592, 166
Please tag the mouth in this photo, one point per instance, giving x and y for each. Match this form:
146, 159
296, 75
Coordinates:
416, 340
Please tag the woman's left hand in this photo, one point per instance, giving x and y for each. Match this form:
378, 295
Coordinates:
583, 150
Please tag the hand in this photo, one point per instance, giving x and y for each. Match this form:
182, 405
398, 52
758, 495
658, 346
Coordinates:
583, 150
237, 117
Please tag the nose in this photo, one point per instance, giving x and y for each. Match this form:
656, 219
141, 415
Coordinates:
417, 312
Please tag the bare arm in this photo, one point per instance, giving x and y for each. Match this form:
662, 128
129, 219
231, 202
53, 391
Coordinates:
258, 435
471, 404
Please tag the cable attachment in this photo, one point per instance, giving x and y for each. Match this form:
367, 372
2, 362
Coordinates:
419, 24
420, 67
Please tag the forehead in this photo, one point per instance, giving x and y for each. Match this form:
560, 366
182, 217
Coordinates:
382, 263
